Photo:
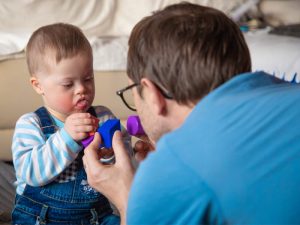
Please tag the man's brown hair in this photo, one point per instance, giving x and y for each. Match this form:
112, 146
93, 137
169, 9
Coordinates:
62, 40
188, 50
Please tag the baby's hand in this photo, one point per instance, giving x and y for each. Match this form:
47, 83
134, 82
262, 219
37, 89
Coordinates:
142, 147
79, 125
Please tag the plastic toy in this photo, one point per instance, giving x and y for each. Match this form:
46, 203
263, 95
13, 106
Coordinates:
134, 126
106, 130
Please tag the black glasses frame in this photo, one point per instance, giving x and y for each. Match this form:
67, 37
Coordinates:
120, 93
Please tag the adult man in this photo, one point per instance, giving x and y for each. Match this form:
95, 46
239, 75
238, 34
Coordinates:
227, 140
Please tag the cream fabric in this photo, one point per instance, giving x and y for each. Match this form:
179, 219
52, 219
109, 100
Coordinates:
93, 16
281, 12
97, 18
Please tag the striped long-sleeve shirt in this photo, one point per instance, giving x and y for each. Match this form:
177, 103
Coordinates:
38, 160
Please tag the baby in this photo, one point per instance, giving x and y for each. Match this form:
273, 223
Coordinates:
47, 151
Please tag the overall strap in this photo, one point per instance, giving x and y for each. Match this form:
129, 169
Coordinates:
46, 122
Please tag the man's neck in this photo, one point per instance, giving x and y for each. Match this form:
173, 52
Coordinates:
178, 114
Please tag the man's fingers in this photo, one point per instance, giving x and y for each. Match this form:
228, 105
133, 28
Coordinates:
141, 149
96, 141
119, 147
91, 156
141, 155
141, 146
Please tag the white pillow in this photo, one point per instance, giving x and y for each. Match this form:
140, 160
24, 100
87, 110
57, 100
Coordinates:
25, 16
276, 54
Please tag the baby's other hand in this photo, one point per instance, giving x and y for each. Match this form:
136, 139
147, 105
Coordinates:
79, 125
142, 147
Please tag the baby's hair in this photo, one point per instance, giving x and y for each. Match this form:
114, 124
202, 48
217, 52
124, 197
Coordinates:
59, 40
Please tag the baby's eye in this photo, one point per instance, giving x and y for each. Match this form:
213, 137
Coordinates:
67, 85
91, 78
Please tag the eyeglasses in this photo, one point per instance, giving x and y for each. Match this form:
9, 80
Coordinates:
127, 97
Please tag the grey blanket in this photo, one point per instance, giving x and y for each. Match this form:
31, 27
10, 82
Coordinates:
7, 191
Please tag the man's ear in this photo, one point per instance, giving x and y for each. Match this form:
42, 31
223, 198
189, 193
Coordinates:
36, 85
153, 96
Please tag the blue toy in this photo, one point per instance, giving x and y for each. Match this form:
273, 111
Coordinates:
106, 130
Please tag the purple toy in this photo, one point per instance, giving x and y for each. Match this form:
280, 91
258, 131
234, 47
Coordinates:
87, 141
134, 126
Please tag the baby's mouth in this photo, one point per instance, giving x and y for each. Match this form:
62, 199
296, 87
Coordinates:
82, 104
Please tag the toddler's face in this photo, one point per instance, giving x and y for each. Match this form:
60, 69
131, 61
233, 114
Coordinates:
68, 86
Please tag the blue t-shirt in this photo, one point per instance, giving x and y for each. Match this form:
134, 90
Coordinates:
235, 159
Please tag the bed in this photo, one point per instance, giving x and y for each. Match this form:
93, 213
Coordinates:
107, 24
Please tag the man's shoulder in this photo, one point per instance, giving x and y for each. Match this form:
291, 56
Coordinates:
249, 92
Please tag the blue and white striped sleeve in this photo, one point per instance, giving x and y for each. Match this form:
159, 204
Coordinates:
38, 160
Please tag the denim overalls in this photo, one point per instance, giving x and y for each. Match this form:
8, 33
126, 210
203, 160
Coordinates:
72, 202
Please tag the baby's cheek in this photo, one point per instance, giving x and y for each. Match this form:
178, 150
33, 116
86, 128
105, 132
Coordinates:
65, 103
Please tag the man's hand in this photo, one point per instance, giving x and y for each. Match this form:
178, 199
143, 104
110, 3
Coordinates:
78, 125
113, 180
142, 148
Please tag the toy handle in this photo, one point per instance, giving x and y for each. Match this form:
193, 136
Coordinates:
134, 126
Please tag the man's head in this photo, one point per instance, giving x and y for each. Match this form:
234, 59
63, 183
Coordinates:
182, 52
60, 63
187, 50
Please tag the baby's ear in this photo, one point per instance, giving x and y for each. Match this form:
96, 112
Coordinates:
36, 85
